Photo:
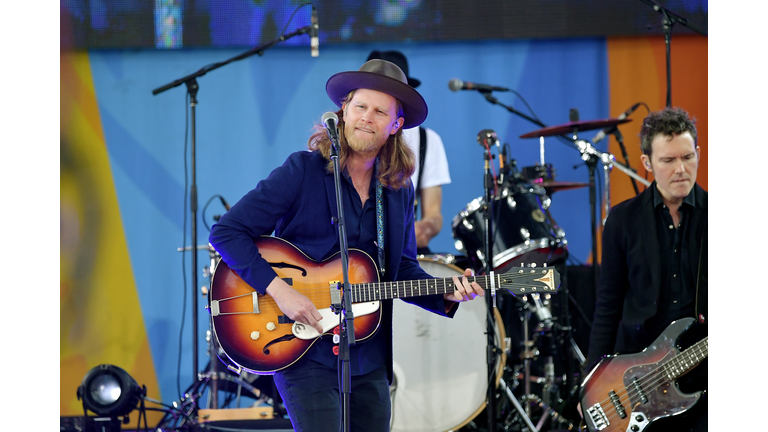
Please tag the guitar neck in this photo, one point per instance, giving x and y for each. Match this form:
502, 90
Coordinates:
687, 360
522, 281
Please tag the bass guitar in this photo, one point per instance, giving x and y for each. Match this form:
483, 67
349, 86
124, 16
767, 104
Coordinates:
254, 335
628, 392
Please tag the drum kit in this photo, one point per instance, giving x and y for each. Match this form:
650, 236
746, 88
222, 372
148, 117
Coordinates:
537, 373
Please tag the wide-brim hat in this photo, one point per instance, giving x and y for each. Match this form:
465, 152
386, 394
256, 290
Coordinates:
397, 58
383, 76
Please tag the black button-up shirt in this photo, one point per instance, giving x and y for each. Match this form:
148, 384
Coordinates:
677, 293
360, 222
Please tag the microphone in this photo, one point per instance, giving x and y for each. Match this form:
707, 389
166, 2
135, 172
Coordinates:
330, 120
601, 135
314, 28
487, 137
457, 84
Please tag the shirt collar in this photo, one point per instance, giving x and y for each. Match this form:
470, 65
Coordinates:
689, 199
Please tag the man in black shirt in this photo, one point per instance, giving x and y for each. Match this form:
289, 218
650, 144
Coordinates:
654, 257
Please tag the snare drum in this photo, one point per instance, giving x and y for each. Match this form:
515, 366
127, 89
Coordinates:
439, 361
525, 232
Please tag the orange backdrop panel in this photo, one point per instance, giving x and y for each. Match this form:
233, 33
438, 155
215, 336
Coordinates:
637, 69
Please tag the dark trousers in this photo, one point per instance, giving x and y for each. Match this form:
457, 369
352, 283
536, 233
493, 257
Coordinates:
311, 394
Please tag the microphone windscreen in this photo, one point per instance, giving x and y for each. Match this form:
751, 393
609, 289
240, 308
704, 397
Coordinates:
330, 115
455, 84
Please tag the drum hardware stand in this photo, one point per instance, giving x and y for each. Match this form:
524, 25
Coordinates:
590, 154
484, 139
487, 138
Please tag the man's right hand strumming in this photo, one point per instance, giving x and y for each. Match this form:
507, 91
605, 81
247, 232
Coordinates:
294, 304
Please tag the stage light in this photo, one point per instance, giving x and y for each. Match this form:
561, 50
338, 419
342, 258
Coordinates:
109, 391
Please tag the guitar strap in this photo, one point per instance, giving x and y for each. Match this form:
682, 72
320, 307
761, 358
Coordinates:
701, 289
422, 154
380, 221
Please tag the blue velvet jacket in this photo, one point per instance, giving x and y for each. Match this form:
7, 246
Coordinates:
298, 201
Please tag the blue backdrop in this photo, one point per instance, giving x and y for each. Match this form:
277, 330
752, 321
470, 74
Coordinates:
252, 113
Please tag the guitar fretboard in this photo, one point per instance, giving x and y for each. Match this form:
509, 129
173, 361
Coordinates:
516, 282
686, 360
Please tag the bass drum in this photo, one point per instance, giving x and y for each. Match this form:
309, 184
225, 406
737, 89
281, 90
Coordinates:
440, 367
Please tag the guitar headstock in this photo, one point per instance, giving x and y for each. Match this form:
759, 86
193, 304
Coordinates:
531, 279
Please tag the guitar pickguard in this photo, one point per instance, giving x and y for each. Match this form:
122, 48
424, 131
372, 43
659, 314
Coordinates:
331, 320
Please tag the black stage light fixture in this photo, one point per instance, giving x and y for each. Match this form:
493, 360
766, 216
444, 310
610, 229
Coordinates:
109, 391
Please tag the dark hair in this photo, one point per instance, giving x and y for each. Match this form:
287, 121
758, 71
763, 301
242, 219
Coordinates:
397, 159
668, 122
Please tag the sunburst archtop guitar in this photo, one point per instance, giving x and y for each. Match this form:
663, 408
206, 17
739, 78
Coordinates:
254, 335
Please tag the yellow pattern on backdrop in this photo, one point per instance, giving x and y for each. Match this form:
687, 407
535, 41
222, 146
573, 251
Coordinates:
101, 319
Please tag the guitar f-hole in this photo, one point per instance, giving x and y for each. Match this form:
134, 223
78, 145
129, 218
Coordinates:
283, 265
285, 338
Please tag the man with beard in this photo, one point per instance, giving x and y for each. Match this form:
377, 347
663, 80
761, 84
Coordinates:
298, 202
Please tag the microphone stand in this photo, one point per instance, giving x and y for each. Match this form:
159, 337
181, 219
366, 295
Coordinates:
620, 139
192, 88
347, 324
495, 101
490, 300
668, 20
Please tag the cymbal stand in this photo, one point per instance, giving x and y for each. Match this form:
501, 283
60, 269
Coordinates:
523, 413
591, 155
545, 323
541, 307
488, 138
213, 396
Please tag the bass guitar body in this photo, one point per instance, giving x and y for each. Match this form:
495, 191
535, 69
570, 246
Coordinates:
628, 392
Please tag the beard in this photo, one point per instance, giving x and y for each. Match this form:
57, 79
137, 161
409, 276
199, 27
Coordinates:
363, 145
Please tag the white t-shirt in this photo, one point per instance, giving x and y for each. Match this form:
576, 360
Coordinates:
435, 162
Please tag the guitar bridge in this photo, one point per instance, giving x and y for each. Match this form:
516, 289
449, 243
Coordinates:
597, 416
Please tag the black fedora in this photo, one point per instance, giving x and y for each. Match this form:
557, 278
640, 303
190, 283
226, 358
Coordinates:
383, 76
397, 58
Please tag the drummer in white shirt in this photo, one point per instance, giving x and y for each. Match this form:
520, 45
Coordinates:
431, 171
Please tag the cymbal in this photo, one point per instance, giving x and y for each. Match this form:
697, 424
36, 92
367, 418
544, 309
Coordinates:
579, 126
554, 186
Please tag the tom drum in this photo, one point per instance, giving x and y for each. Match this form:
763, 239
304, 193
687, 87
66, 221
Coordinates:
524, 231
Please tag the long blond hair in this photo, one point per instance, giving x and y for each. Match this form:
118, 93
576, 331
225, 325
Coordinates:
396, 159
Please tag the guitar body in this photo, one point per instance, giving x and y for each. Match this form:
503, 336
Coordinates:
622, 374
252, 331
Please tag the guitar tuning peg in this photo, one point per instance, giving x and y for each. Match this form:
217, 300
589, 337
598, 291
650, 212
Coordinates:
545, 264
533, 265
